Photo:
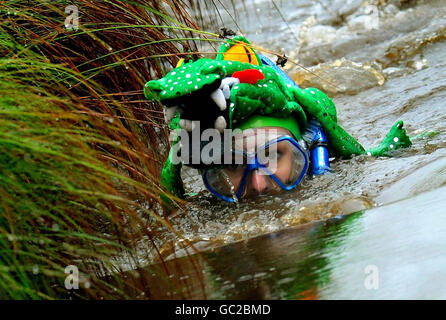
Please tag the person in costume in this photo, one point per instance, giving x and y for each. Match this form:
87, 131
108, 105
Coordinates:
241, 89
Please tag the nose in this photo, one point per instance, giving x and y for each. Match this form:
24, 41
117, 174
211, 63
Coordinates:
259, 183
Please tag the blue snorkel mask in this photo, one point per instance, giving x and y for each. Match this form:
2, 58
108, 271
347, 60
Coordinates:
232, 183
270, 162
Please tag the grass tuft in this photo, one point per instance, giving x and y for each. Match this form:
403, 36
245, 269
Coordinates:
80, 147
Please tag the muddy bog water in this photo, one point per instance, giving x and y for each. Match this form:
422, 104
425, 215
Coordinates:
394, 251
374, 227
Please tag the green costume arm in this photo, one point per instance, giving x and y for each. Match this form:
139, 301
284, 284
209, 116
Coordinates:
341, 144
171, 176
395, 139
171, 173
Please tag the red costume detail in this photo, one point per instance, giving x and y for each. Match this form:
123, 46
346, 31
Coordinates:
250, 76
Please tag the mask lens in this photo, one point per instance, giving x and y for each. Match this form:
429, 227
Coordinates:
284, 160
225, 180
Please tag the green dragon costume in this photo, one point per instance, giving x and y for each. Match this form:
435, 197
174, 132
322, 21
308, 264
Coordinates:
235, 86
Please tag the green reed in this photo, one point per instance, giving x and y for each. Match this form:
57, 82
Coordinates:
80, 147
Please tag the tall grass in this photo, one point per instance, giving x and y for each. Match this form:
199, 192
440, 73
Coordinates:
80, 147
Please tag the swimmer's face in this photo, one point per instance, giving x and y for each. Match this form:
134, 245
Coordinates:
279, 158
